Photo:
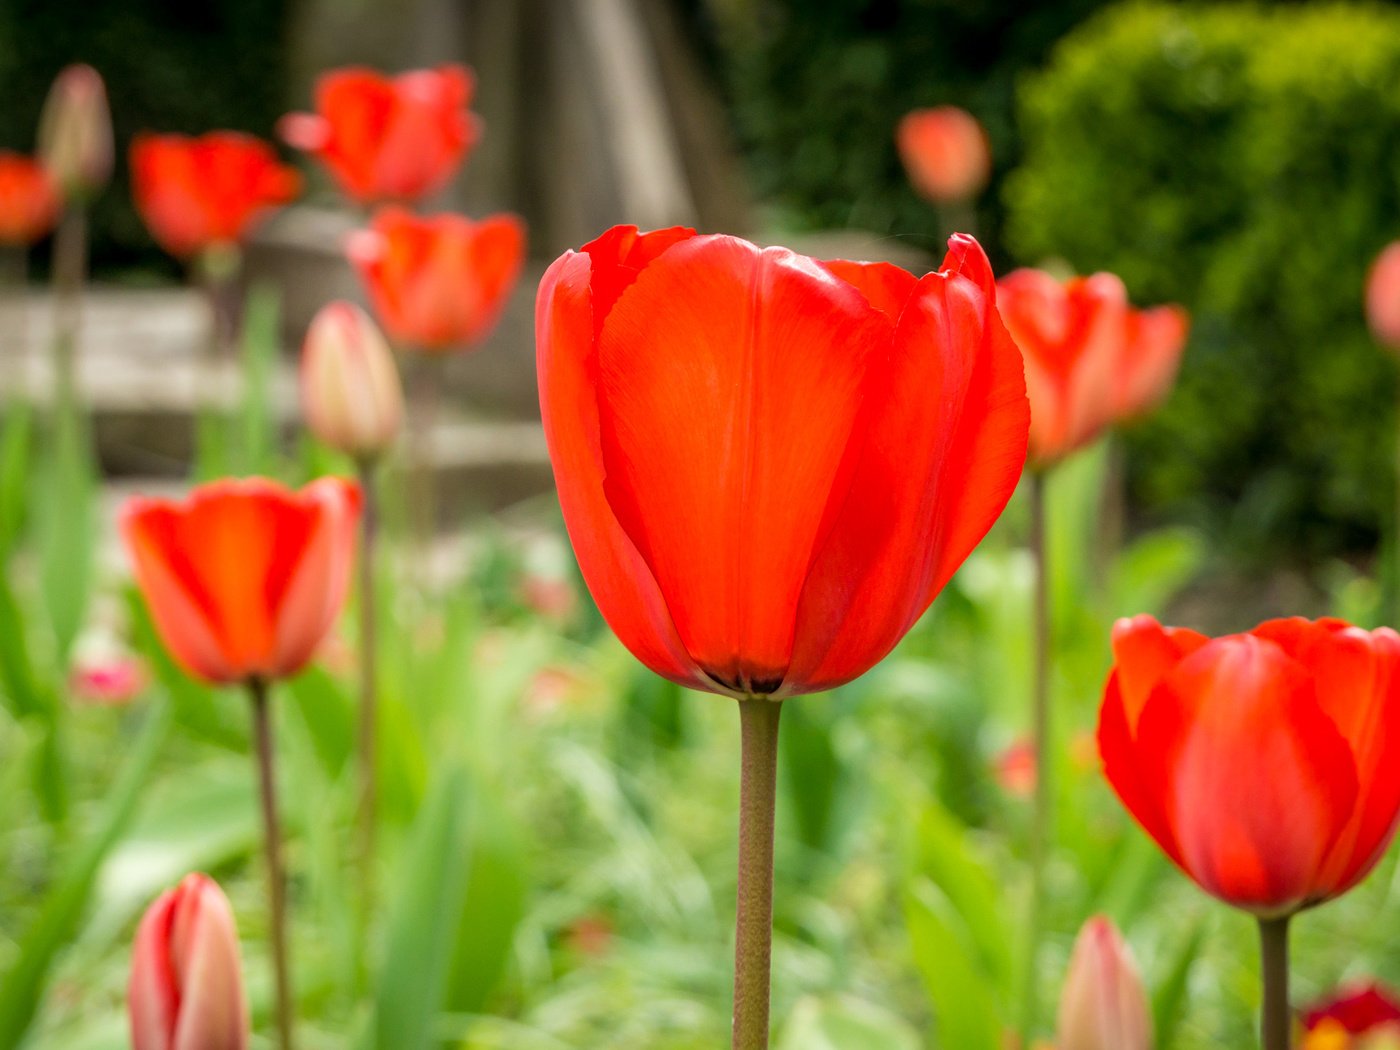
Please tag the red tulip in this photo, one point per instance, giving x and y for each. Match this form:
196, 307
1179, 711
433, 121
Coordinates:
75, 131
1383, 297
29, 199
1358, 1011
769, 465
206, 192
388, 138
945, 152
244, 578
350, 389
1152, 354
1103, 1005
1262, 763
1073, 336
186, 987
439, 282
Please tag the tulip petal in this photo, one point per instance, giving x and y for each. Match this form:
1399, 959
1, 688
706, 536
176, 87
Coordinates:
1258, 783
204, 945
1122, 768
945, 441
313, 591
1357, 676
153, 993
885, 286
727, 504
618, 578
183, 615
1143, 653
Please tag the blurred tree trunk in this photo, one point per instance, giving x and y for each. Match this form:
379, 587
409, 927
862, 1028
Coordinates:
597, 111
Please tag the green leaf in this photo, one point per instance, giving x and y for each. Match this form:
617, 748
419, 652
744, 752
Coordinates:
425, 917
946, 860
23, 987
67, 531
845, 1024
496, 894
1168, 1004
813, 771
328, 713
26, 697
959, 987
16, 453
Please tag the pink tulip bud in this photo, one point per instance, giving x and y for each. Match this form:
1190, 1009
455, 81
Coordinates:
75, 131
1383, 297
350, 388
186, 988
1103, 1005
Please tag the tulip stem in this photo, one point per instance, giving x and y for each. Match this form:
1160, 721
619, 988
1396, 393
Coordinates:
272, 844
1041, 729
753, 938
369, 715
69, 271
1276, 1020
426, 377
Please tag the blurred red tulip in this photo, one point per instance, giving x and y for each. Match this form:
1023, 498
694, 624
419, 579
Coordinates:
245, 577
769, 465
440, 282
388, 138
29, 199
1152, 352
945, 153
1103, 1005
1262, 763
206, 192
1357, 1011
1383, 297
1015, 769
1072, 334
186, 986
75, 131
350, 390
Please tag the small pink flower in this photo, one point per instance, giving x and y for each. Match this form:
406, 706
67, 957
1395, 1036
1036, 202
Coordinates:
1015, 769
109, 681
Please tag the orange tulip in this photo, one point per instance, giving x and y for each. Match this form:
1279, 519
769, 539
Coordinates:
440, 282
388, 138
244, 578
945, 153
75, 131
29, 199
770, 465
1262, 763
1383, 297
186, 986
206, 192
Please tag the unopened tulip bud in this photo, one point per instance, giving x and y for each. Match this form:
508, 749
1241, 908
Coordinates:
75, 131
1103, 1005
350, 387
186, 988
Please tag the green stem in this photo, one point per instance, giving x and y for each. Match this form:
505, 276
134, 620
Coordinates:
1041, 730
753, 939
69, 274
426, 377
272, 845
1276, 1019
369, 717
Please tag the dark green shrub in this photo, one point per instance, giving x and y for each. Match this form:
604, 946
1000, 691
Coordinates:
1246, 162
169, 66
816, 88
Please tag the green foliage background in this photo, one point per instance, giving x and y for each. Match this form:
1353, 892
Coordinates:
1244, 161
